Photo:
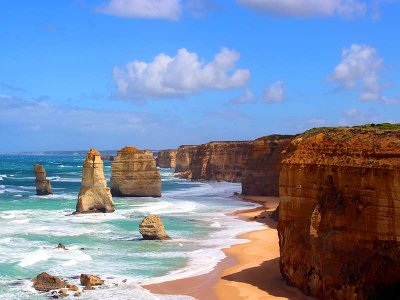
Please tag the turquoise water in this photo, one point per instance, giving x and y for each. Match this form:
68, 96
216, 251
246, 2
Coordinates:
108, 245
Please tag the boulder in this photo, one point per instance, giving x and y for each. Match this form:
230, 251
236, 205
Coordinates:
45, 282
88, 280
43, 185
94, 196
152, 228
134, 174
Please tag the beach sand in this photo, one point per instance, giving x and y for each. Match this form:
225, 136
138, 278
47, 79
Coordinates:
250, 270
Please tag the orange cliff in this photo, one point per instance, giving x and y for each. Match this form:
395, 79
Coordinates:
214, 161
339, 220
166, 158
261, 172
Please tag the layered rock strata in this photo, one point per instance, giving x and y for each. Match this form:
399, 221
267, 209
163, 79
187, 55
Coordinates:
134, 174
183, 158
166, 158
43, 185
261, 172
214, 161
152, 228
339, 216
94, 196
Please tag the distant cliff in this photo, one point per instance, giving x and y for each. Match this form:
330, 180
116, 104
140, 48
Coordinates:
214, 161
339, 219
261, 172
166, 158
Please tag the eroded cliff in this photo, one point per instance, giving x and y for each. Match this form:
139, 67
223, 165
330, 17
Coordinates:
134, 174
166, 158
261, 172
339, 219
214, 161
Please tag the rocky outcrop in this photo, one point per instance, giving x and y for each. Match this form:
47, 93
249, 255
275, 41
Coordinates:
166, 158
152, 228
261, 172
183, 158
339, 216
94, 196
45, 282
43, 186
134, 174
215, 161
88, 280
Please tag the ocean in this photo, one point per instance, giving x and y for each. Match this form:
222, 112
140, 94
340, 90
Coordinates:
108, 245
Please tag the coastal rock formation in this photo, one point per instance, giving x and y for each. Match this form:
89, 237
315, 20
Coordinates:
152, 228
94, 196
134, 174
339, 216
88, 280
45, 282
214, 161
166, 158
261, 172
183, 158
43, 186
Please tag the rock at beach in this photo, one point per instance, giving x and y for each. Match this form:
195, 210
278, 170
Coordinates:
94, 196
88, 280
152, 228
134, 174
166, 159
45, 282
61, 246
275, 214
43, 185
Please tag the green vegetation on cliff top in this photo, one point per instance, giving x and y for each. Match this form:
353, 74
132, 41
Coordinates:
377, 127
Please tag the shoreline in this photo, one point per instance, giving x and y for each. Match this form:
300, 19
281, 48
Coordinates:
249, 271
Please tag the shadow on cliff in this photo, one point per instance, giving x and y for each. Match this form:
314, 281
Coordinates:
267, 277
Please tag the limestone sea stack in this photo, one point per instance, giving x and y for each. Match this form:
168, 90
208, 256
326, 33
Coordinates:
166, 158
94, 196
183, 158
261, 171
135, 174
43, 185
152, 228
339, 215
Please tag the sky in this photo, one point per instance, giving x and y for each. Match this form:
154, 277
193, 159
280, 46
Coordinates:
157, 74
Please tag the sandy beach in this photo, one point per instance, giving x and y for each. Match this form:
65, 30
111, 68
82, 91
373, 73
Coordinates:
250, 270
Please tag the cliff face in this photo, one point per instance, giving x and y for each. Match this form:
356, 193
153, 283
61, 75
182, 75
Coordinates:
339, 219
183, 158
223, 161
43, 186
166, 158
134, 174
261, 172
94, 196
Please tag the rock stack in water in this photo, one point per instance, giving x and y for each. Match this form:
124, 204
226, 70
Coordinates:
166, 158
152, 228
94, 196
134, 174
43, 186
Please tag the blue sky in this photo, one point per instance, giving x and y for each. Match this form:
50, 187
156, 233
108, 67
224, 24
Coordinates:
161, 73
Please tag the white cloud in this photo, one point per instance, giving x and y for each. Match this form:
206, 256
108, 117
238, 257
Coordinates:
148, 9
178, 76
361, 66
308, 8
276, 92
245, 98
354, 116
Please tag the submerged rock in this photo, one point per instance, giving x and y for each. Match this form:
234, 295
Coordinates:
61, 246
134, 174
45, 282
43, 185
88, 280
152, 228
94, 196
